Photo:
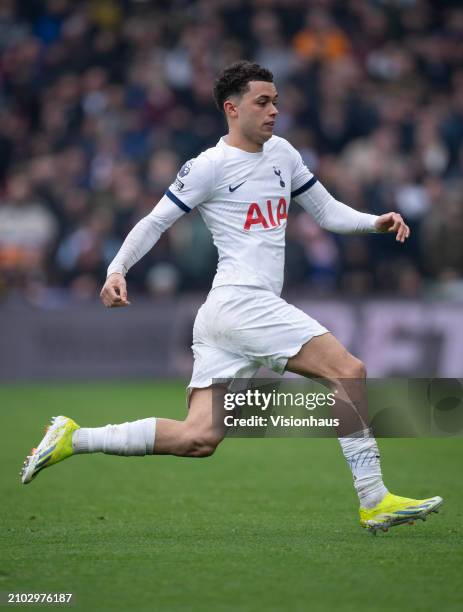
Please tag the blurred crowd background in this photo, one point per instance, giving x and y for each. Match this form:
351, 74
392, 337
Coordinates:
102, 101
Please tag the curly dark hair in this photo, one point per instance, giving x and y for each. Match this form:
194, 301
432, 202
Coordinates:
234, 80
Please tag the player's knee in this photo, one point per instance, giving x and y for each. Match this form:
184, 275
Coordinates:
201, 444
205, 450
353, 368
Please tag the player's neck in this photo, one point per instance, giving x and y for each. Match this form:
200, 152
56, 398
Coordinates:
234, 139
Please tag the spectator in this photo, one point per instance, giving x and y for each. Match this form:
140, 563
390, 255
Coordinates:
27, 229
101, 102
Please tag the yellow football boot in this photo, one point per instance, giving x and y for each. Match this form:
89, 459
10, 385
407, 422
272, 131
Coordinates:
55, 446
394, 510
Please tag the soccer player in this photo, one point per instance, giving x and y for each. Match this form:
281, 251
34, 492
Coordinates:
242, 188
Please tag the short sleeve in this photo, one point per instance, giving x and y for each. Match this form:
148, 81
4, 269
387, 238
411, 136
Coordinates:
301, 178
194, 183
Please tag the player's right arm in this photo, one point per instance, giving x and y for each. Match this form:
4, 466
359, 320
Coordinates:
139, 241
192, 186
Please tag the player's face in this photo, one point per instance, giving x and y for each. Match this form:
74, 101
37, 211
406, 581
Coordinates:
256, 111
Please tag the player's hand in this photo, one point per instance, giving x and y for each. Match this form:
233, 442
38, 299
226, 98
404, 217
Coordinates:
114, 292
393, 223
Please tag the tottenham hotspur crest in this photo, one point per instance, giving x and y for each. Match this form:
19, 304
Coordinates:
278, 173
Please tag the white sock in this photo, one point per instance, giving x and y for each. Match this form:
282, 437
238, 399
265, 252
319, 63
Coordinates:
362, 455
135, 438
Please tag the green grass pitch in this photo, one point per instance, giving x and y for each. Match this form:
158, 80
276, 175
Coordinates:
268, 524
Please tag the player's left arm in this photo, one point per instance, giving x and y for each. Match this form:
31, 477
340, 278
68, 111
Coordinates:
333, 215
337, 217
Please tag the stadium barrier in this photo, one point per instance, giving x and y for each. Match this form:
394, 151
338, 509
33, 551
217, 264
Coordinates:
152, 340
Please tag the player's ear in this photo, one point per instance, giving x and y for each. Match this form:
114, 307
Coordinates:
230, 109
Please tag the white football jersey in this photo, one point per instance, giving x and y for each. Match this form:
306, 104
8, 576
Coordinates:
244, 200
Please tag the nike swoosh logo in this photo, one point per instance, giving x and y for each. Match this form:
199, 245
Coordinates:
232, 189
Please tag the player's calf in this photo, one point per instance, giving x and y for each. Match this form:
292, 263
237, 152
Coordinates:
154, 436
126, 439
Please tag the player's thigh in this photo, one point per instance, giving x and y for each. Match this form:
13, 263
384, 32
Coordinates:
325, 357
206, 414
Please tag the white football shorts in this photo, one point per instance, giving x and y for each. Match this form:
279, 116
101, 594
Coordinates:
239, 329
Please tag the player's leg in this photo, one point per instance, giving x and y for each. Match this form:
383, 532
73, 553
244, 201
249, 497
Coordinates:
200, 433
197, 436
325, 357
268, 331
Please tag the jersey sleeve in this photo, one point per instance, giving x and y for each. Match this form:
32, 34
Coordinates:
144, 236
301, 178
333, 215
194, 183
